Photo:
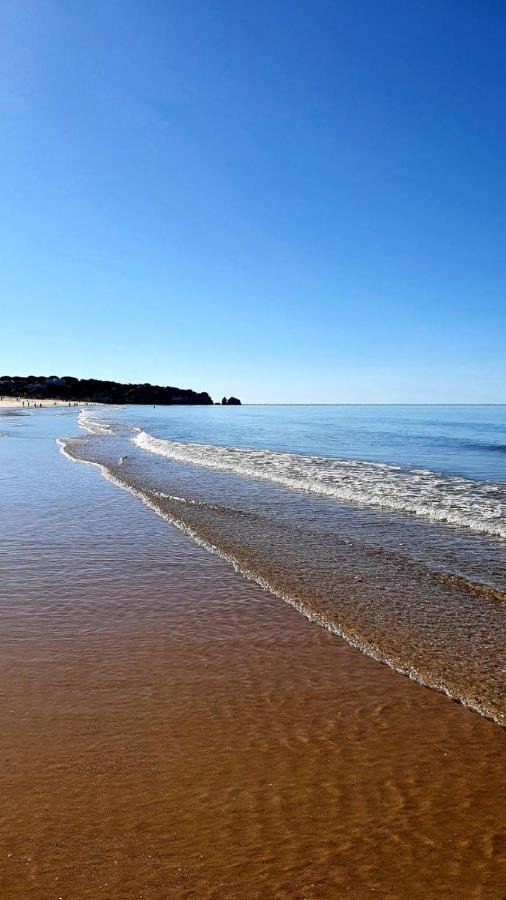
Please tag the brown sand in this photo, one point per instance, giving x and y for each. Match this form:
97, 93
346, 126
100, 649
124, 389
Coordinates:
169, 730
261, 758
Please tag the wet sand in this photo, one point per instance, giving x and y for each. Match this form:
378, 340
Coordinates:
167, 729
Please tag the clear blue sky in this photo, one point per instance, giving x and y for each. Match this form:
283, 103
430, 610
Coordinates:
293, 201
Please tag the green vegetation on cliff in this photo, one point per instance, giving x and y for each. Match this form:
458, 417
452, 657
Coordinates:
93, 390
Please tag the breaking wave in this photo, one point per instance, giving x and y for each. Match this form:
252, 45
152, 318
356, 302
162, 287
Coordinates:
445, 499
92, 424
389, 625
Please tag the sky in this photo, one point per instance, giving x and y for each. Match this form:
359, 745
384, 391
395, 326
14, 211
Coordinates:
298, 201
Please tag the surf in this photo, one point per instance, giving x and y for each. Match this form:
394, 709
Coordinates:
444, 499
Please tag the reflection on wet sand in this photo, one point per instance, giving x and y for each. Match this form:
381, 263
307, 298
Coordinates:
442, 630
169, 730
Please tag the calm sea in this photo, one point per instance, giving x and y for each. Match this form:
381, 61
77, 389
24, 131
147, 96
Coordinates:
385, 524
459, 440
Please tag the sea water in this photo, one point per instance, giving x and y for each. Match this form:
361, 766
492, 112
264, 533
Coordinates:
385, 524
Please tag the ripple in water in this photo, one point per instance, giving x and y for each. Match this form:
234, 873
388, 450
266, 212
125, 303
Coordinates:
438, 629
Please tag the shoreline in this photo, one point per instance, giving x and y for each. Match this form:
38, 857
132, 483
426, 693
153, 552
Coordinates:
312, 616
416, 616
169, 729
35, 403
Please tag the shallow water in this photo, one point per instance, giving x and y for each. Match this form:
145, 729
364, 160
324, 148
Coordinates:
457, 440
167, 729
423, 592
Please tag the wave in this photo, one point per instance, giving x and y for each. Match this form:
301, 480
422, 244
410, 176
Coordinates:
445, 499
207, 533
91, 423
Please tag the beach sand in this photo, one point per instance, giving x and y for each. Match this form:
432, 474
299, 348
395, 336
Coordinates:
14, 403
167, 729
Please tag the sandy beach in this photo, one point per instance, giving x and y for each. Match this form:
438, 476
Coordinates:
25, 403
170, 730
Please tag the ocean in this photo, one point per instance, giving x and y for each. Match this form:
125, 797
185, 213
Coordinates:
384, 524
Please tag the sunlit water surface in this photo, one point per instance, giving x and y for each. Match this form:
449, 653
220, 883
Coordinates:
168, 729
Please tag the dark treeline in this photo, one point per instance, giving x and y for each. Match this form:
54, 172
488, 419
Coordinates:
93, 390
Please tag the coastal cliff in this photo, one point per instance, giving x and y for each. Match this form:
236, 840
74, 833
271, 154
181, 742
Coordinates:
93, 390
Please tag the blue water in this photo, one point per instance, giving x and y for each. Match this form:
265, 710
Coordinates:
462, 440
386, 524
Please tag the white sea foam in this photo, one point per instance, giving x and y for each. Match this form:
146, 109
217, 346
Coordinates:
446, 499
90, 422
368, 648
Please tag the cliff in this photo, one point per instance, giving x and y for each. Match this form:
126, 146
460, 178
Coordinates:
93, 390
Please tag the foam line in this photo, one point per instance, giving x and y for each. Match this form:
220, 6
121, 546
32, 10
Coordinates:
445, 499
368, 648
